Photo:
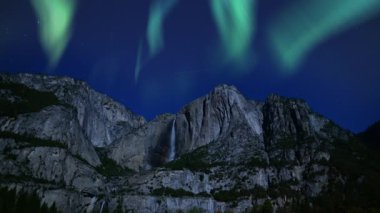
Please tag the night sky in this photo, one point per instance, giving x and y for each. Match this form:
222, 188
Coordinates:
339, 76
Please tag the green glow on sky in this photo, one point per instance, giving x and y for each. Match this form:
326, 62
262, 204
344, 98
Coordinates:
55, 19
138, 65
157, 14
236, 25
305, 24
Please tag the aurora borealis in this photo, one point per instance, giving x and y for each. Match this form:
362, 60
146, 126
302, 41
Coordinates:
55, 23
157, 14
302, 25
235, 21
157, 55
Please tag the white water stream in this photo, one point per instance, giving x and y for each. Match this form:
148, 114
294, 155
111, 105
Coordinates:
101, 208
171, 155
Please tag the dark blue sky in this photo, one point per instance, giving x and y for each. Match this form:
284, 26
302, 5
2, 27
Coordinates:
339, 78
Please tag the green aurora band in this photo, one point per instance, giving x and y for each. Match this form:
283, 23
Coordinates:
138, 65
305, 24
236, 25
157, 14
55, 22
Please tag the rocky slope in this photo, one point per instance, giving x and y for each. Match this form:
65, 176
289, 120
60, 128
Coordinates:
222, 152
101, 119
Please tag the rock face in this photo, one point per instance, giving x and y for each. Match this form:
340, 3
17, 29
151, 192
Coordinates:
144, 148
212, 116
101, 118
53, 123
225, 115
222, 152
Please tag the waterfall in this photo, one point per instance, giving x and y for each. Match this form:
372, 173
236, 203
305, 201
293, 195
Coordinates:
101, 208
171, 155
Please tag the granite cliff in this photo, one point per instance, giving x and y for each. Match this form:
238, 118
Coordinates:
82, 151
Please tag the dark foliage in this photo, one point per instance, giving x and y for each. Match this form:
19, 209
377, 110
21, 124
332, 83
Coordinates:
371, 136
361, 190
193, 161
196, 210
257, 163
282, 189
32, 141
266, 207
177, 193
10, 201
109, 167
30, 100
24, 178
171, 192
236, 194
358, 190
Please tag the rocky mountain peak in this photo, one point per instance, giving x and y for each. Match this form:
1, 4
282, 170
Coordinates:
225, 90
226, 94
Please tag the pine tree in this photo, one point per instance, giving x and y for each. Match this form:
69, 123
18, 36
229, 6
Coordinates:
44, 208
33, 203
53, 209
22, 203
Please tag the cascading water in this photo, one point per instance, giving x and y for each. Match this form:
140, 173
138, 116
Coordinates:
101, 208
171, 154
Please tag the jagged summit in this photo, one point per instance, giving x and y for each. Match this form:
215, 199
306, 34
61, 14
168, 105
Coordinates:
225, 87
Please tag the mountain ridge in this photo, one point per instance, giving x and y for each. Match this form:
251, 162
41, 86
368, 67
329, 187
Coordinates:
231, 154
